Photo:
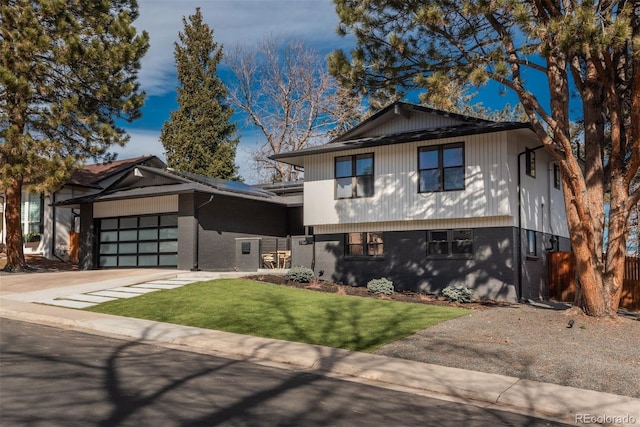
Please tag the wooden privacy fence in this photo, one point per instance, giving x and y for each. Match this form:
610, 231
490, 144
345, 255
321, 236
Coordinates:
562, 272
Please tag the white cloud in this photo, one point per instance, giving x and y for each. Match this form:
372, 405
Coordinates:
142, 143
233, 22
147, 142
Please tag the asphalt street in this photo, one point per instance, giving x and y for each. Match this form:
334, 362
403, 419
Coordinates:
58, 377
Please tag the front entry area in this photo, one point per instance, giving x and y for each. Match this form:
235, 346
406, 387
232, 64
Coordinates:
138, 241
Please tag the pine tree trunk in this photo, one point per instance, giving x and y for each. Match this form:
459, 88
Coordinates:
15, 252
590, 282
616, 243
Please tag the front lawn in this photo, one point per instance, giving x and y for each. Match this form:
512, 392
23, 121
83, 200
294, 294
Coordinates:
266, 310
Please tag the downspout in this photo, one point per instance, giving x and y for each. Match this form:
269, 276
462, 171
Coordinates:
196, 249
528, 150
313, 252
2, 225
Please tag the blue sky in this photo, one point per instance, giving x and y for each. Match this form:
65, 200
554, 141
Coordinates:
234, 22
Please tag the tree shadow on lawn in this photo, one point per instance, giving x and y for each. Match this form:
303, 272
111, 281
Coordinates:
352, 323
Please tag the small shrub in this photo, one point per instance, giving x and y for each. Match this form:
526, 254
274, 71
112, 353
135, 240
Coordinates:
380, 286
299, 274
458, 293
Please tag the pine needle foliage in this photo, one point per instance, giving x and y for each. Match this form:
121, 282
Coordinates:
68, 72
200, 137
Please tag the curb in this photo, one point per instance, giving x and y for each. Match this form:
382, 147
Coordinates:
552, 400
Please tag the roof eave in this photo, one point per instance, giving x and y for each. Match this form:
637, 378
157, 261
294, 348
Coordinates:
296, 157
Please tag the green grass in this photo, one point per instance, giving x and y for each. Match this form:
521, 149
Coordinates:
262, 309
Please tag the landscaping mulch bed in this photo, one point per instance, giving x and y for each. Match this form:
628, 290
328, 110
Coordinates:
361, 291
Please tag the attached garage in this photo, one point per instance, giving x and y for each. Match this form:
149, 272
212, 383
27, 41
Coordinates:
162, 218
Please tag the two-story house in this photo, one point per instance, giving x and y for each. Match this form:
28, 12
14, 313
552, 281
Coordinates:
429, 199
422, 197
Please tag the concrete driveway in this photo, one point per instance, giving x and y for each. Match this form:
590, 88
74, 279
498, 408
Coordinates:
60, 282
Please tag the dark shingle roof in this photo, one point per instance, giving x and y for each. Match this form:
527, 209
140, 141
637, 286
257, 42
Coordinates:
183, 183
91, 175
400, 108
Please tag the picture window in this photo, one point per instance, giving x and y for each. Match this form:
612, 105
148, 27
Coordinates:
441, 168
354, 176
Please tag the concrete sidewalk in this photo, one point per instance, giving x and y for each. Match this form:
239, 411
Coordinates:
542, 399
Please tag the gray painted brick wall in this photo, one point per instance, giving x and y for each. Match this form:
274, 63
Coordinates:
226, 219
247, 253
186, 232
301, 252
490, 271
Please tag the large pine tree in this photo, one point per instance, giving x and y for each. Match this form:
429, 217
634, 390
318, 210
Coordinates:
200, 138
68, 69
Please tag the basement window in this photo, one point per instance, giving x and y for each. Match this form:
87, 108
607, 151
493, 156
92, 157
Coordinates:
364, 245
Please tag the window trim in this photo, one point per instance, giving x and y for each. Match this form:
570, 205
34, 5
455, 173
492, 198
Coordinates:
365, 244
450, 243
441, 168
354, 175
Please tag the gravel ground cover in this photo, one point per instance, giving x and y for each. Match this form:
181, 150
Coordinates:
534, 342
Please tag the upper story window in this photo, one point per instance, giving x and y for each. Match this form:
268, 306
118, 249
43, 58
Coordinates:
354, 176
364, 244
441, 167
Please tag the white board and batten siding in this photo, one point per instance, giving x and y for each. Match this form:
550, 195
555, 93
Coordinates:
413, 122
542, 205
397, 204
132, 207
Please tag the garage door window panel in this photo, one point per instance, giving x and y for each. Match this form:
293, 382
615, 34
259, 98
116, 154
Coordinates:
150, 234
108, 261
149, 222
148, 247
109, 236
168, 247
127, 261
128, 248
168, 260
148, 260
128, 235
168, 233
